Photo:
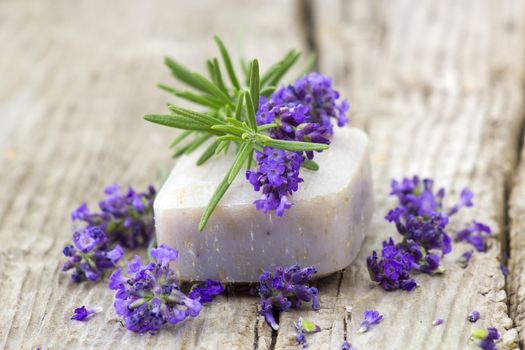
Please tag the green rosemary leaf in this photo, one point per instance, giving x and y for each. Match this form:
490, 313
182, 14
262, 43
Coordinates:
229, 129
291, 145
215, 199
273, 68
283, 68
183, 74
227, 63
180, 123
310, 165
267, 91
229, 138
234, 122
245, 69
218, 76
254, 84
211, 71
310, 65
200, 117
240, 159
180, 138
207, 101
249, 161
212, 89
266, 126
193, 145
208, 153
252, 122
222, 146
238, 107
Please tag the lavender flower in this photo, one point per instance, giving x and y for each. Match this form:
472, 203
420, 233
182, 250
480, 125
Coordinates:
90, 255
486, 338
371, 317
504, 269
473, 316
206, 293
465, 200
278, 177
126, 218
82, 313
347, 346
437, 322
150, 297
286, 288
315, 91
304, 327
392, 270
464, 259
475, 234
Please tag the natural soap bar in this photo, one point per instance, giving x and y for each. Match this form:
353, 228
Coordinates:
324, 228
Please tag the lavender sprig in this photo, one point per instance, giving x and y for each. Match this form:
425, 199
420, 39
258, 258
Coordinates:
126, 218
90, 255
284, 289
486, 338
150, 296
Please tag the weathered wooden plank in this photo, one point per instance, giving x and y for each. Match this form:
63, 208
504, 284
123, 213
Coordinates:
516, 278
438, 85
76, 79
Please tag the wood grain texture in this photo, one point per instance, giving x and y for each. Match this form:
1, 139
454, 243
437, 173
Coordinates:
77, 76
438, 87
437, 84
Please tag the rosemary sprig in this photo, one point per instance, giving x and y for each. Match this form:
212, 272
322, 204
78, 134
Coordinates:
230, 117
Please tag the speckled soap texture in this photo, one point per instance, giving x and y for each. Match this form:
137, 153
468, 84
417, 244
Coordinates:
325, 227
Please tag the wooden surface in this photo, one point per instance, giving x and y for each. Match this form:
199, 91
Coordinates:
437, 84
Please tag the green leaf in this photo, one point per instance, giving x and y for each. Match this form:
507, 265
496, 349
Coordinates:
249, 161
267, 91
266, 126
215, 199
218, 76
283, 68
229, 129
183, 74
227, 63
274, 67
291, 145
223, 145
192, 146
229, 138
309, 326
179, 122
200, 117
240, 159
310, 65
234, 122
252, 122
212, 89
208, 153
180, 138
254, 84
207, 101
238, 107
310, 165
245, 68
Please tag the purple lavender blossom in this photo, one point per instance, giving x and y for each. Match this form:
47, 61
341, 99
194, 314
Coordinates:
304, 327
371, 317
315, 91
475, 235
150, 297
207, 292
126, 218
504, 269
437, 322
473, 316
465, 200
284, 289
464, 259
278, 177
392, 270
486, 338
90, 255
347, 346
82, 313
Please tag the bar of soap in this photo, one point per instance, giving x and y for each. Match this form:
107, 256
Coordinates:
325, 227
